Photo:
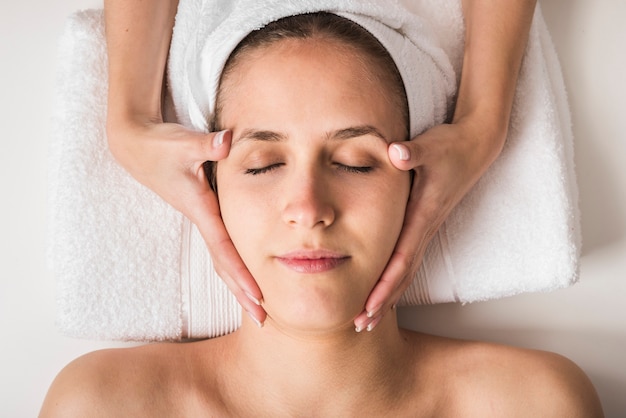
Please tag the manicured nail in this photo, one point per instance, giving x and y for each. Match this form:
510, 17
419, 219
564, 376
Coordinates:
402, 151
253, 299
374, 311
373, 323
358, 328
218, 139
256, 321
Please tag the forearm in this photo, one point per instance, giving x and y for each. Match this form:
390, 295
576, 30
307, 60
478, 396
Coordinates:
138, 34
496, 33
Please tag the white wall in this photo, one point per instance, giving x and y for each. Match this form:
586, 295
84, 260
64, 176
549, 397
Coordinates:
586, 322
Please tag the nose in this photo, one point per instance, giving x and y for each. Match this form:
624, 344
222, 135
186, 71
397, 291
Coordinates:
308, 202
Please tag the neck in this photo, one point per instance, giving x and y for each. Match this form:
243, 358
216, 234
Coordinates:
338, 370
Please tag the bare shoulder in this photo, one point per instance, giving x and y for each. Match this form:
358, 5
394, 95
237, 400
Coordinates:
529, 382
117, 382
497, 380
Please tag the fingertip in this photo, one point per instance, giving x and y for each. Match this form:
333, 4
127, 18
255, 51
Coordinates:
255, 300
256, 320
373, 324
373, 311
220, 138
400, 156
254, 310
401, 151
218, 145
361, 321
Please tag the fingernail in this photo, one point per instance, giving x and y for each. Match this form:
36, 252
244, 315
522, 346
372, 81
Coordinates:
218, 139
373, 311
373, 323
361, 326
253, 299
256, 321
402, 151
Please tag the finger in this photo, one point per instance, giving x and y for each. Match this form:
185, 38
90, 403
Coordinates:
420, 225
402, 261
425, 147
219, 144
406, 155
235, 274
201, 147
204, 148
228, 264
396, 278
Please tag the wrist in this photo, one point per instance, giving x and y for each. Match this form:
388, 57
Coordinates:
122, 130
132, 108
485, 135
121, 119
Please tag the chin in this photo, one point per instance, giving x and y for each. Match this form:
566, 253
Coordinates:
315, 302
315, 313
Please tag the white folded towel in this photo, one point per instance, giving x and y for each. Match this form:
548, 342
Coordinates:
130, 267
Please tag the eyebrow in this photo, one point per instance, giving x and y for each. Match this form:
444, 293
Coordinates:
356, 131
340, 134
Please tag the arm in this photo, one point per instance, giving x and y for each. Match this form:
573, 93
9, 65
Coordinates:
165, 157
496, 34
138, 35
449, 159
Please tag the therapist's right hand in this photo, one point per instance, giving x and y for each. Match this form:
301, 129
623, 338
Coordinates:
168, 158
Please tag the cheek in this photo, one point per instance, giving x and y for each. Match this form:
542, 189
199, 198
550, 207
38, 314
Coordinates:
376, 219
242, 214
245, 227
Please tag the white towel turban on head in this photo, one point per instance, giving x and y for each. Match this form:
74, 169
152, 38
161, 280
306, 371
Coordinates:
426, 71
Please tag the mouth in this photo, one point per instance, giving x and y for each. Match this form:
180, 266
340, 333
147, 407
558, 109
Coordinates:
313, 261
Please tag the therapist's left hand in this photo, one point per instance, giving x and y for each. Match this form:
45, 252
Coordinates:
448, 160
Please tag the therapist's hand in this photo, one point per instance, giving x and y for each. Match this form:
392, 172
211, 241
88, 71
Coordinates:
448, 160
168, 158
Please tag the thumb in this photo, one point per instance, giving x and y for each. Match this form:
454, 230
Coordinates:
213, 146
428, 145
204, 149
406, 155
220, 144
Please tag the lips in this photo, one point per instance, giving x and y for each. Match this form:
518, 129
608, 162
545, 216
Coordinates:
314, 261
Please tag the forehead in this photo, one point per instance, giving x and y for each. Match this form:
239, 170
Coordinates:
313, 80
322, 50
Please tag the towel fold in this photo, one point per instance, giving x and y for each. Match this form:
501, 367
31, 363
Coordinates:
130, 267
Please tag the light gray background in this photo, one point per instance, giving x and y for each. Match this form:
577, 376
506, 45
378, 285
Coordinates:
586, 322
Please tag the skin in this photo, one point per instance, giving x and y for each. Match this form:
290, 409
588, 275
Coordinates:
449, 158
307, 357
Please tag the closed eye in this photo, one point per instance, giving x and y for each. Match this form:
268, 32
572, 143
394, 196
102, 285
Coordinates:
262, 170
354, 169
343, 167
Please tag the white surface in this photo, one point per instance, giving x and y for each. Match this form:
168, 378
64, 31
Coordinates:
586, 323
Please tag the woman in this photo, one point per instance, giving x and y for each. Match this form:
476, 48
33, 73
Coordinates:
450, 157
315, 207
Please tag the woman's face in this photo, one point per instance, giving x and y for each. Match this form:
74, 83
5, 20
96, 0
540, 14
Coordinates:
307, 193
